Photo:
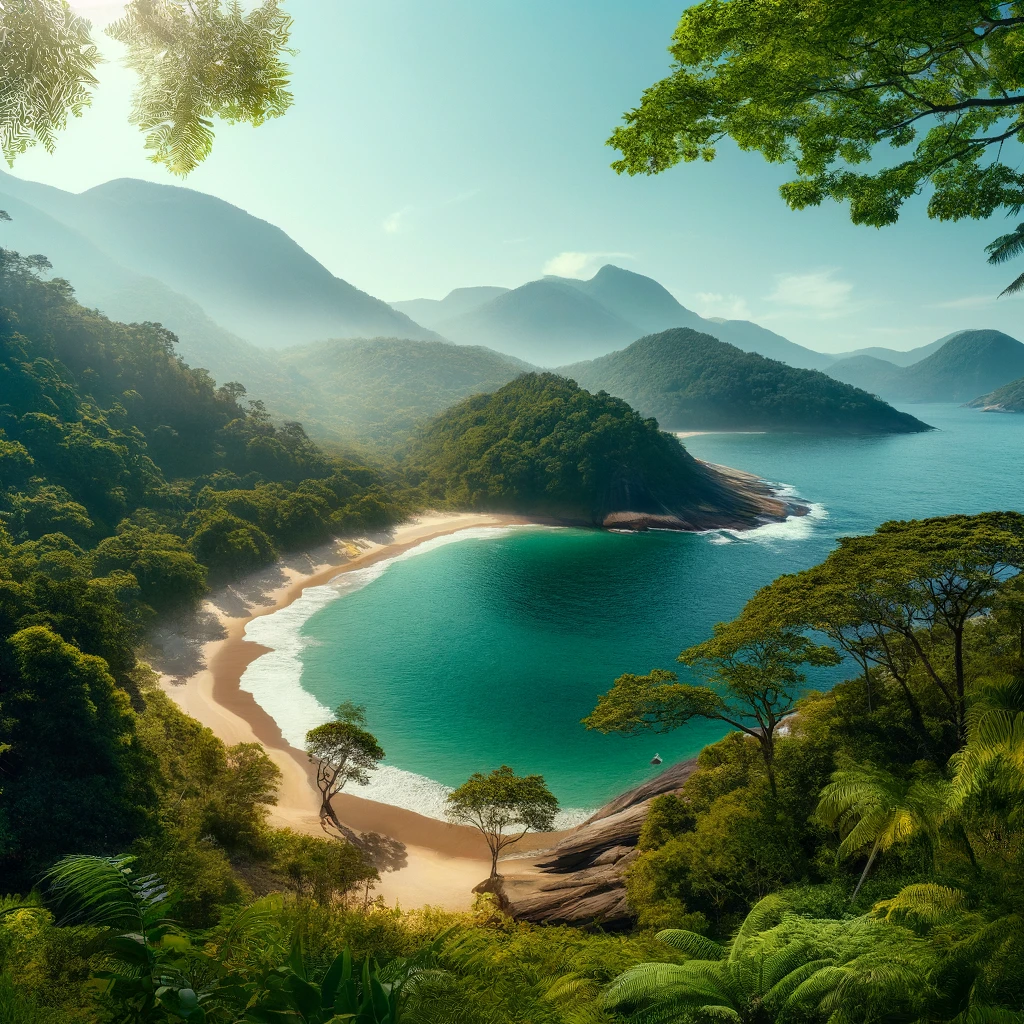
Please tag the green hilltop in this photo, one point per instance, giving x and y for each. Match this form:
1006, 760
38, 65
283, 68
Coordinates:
692, 381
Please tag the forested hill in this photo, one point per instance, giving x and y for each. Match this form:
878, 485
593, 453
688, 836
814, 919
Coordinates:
1008, 398
127, 481
691, 381
542, 445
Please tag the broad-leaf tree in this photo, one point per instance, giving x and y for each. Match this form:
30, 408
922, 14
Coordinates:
753, 676
343, 752
504, 807
869, 102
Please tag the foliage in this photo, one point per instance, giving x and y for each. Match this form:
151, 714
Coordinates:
689, 380
541, 444
499, 801
47, 60
195, 61
753, 686
343, 752
824, 86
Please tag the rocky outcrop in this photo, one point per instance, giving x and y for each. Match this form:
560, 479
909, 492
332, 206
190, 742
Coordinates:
581, 880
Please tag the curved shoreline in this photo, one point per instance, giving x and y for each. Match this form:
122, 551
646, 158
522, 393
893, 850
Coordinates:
201, 661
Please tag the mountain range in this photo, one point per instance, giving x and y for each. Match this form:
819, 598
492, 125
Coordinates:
965, 365
246, 274
556, 320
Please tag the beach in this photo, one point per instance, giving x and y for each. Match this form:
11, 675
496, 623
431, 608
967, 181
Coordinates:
201, 659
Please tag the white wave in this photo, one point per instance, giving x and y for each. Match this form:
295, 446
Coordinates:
275, 678
790, 529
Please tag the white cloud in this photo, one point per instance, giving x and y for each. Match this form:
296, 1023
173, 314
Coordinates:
728, 307
818, 293
581, 264
392, 224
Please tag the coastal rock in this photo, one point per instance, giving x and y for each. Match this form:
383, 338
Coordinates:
581, 880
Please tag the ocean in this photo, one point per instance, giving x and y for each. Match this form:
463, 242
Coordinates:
487, 647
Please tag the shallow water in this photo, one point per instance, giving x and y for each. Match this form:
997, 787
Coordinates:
489, 647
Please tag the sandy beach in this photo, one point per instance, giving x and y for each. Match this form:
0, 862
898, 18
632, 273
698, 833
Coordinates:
200, 660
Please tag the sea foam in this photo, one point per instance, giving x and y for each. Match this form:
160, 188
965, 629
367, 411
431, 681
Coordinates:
790, 529
275, 679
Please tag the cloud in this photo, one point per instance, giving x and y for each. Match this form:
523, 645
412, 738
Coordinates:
818, 293
967, 302
728, 307
581, 264
392, 224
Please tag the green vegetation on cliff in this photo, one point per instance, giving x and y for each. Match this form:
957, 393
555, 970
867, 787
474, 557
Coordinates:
543, 445
691, 381
1008, 398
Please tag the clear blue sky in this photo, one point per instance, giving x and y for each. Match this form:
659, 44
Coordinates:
456, 142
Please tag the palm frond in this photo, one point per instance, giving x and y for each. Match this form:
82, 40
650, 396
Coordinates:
1006, 247
927, 902
698, 946
762, 916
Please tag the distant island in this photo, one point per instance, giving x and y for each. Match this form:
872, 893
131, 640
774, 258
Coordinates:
1008, 398
691, 381
966, 364
543, 446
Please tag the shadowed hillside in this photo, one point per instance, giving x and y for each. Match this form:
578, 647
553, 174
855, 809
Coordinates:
691, 381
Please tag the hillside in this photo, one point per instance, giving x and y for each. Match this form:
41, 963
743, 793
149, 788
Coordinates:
376, 391
691, 381
898, 357
248, 275
586, 319
541, 445
969, 364
1008, 398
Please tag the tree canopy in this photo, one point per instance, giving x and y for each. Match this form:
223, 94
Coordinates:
197, 60
869, 102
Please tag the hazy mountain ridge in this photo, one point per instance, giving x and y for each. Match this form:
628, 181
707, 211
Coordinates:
560, 319
967, 364
248, 275
689, 380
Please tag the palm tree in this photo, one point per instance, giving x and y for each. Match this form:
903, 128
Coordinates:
877, 810
1004, 248
822, 967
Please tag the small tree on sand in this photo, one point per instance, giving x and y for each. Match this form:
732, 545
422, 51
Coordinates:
501, 802
343, 752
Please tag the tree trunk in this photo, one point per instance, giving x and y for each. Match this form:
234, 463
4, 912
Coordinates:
864, 873
494, 862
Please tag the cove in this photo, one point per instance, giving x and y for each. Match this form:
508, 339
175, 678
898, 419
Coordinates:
491, 649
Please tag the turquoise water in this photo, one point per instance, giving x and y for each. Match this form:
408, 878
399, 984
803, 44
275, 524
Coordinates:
490, 650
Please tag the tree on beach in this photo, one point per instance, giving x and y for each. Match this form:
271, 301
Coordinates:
501, 801
344, 752
868, 101
754, 682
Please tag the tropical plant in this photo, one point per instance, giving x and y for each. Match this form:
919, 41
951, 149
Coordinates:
196, 60
774, 965
499, 801
876, 810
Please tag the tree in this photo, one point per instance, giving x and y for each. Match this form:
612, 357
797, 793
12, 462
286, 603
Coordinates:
344, 752
500, 801
823, 86
196, 60
796, 968
877, 810
754, 677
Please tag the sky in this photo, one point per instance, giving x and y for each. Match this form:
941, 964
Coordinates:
439, 145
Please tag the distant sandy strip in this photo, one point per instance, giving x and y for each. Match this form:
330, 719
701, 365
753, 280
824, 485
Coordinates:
201, 660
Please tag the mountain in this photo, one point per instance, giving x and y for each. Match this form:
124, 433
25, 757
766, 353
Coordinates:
690, 381
102, 283
377, 391
543, 322
1008, 398
968, 364
247, 275
430, 312
562, 318
896, 356
541, 445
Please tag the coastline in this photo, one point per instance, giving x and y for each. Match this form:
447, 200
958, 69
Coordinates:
200, 661
201, 658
